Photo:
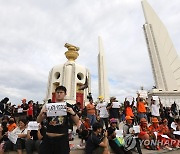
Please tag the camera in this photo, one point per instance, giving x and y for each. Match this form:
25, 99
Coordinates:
89, 96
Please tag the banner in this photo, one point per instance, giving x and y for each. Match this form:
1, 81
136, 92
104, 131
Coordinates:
56, 109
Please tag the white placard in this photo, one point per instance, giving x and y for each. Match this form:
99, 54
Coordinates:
173, 125
12, 137
143, 93
155, 98
129, 98
119, 133
20, 110
136, 129
56, 109
176, 132
33, 125
116, 105
165, 136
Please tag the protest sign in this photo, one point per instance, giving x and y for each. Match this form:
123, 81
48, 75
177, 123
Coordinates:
20, 110
136, 129
56, 109
130, 99
12, 137
33, 125
119, 133
143, 94
155, 98
116, 105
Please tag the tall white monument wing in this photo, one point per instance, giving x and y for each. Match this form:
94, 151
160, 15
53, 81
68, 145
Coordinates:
102, 73
164, 59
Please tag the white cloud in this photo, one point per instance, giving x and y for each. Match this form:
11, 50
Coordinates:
33, 34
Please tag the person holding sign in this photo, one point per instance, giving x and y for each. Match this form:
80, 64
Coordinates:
155, 106
128, 108
56, 139
102, 111
113, 112
141, 107
132, 131
34, 136
17, 137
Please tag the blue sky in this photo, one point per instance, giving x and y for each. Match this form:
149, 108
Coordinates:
33, 34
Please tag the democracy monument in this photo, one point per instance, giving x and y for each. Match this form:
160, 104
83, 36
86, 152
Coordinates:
163, 57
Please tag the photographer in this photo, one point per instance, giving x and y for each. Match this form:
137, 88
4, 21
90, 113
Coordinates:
97, 142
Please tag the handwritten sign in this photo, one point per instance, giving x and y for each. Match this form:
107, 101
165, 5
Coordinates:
56, 109
20, 110
116, 105
136, 129
33, 125
119, 133
143, 93
12, 137
155, 98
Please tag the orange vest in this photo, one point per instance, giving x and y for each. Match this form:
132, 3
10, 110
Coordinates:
129, 112
141, 108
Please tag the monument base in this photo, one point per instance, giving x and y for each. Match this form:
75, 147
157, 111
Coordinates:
167, 97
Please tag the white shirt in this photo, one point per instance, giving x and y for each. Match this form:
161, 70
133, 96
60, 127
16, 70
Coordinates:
155, 108
18, 131
103, 113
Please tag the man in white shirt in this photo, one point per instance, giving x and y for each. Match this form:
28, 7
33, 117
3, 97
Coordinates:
155, 106
102, 111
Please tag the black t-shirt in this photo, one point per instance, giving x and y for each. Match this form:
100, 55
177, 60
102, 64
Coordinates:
92, 143
113, 112
25, 107
59, 124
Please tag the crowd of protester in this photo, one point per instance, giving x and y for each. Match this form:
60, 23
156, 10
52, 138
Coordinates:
101, 120
98, 126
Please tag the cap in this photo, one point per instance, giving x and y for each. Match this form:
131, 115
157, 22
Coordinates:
154, 119
128, 118
100, 97
113, 120
143, 120
23, 100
